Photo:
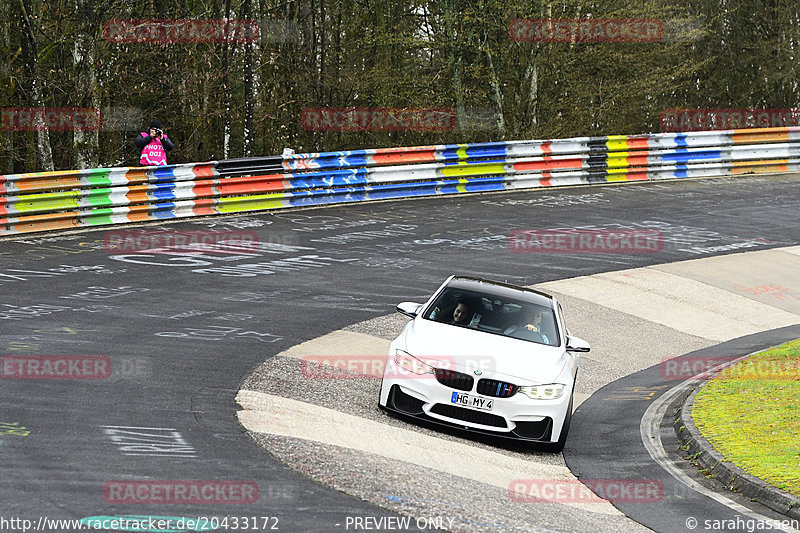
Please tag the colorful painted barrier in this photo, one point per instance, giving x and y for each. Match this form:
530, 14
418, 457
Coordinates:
75, 199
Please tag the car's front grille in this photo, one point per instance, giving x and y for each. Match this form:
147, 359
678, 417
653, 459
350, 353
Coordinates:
498, 389
535, 430
468, 415
454, 380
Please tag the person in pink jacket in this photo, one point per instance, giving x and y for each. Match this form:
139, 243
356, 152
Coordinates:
154, 146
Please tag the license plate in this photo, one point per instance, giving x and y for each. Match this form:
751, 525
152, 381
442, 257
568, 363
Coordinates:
475, 402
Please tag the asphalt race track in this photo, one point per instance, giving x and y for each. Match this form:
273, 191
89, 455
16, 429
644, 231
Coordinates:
181, 334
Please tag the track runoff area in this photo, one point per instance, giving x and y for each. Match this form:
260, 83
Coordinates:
130, 368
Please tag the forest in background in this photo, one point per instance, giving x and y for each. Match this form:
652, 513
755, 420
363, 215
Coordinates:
220, 100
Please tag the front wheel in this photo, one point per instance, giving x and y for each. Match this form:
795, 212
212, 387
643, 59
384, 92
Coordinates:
558, 447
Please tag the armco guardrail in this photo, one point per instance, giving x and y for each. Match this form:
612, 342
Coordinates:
73, 199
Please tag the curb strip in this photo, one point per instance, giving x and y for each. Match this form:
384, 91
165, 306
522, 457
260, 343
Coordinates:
734, 478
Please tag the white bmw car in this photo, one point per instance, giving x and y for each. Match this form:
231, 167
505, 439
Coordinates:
487, 357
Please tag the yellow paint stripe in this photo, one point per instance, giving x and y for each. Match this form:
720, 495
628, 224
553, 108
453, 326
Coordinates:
474, 170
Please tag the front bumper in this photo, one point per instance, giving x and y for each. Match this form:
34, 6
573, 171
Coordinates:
518, 417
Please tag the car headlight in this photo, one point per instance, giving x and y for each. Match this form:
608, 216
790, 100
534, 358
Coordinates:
408, 362
551, 391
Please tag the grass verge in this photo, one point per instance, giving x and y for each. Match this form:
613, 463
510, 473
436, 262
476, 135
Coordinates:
750, 413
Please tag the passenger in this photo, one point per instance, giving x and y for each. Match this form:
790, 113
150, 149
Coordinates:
460, 316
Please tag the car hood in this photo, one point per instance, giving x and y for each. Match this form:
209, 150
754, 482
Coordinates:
465, 350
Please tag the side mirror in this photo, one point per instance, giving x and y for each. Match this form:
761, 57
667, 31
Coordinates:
576, 344
410, 309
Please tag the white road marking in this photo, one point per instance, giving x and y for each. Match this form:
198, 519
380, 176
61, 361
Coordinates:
266, 413
340, 343
679, 303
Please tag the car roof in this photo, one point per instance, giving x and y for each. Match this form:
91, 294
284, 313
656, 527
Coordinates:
501, 290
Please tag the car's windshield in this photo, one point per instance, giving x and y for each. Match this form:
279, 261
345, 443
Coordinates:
502, 316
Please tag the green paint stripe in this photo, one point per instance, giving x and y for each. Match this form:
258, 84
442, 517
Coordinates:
100, 198
99, 176
98, 217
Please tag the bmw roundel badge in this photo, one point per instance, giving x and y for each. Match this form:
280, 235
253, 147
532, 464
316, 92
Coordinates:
478, 372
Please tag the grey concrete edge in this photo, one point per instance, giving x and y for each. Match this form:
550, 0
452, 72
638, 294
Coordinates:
725, 472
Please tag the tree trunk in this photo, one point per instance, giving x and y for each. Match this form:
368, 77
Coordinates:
86, 143
496, 95
30, 55
249, 88
7, 144
226, 91
454, 52
532, 102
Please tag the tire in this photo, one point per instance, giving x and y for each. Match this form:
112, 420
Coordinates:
558, 447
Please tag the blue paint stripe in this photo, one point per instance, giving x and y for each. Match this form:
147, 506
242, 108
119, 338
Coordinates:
686, 155
163, 191
164, 211
478, 162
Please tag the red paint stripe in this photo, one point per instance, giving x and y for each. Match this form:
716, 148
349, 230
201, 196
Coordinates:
549, 163
414, 157
546, 182
636, 176
203, 171
637, 160
204, 206
252, 184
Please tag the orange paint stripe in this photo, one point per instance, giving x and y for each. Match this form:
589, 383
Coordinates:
760, 135
638, 143
52, 221
759, 163
760, 169
47, 184
138, 197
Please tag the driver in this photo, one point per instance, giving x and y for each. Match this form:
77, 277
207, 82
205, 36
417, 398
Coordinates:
531, 326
